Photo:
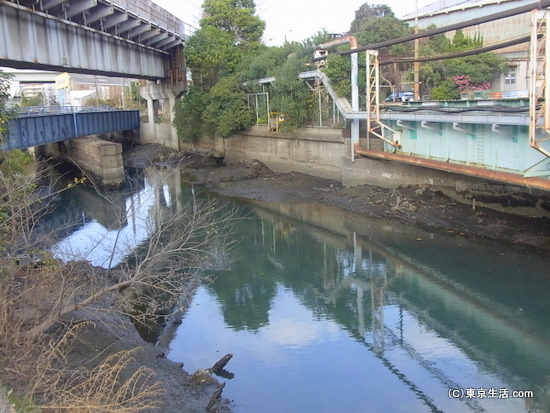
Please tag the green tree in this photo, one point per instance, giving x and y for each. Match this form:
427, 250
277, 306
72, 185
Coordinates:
480, 68
228, 108
377, 23
189, 115
229, 32
367, 12
264, 62
338, 69
5, 113
447, 90
446, 79
211, 54
236, 18
229, 29
289, 94
432, 74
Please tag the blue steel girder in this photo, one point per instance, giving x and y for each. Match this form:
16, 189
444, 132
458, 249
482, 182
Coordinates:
28, 131
88, 42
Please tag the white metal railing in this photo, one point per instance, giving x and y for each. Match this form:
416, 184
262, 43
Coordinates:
57, 110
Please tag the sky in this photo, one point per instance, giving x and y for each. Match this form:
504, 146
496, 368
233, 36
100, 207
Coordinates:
295, 20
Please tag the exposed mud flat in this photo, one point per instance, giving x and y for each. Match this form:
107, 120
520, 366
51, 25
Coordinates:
419, 205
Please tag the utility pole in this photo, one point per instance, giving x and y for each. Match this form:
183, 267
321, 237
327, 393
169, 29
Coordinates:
416, 64
96, 91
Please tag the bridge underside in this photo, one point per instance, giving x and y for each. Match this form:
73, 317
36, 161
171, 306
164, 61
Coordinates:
30, 39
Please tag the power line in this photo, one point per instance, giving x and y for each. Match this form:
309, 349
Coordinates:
464, 53
542, 4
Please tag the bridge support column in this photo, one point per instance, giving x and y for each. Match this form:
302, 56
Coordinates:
102, 160
153, 110
160, 129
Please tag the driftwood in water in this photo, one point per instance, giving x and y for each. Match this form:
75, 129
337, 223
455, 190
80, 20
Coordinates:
218, 370
215, 396
218, 367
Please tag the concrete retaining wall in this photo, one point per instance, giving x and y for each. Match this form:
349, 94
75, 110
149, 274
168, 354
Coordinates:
162, 133
325, 153
315, 152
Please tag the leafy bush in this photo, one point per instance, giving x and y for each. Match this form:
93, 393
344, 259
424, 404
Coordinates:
448, 78
5, 113
188, 115
447, 90
228, 109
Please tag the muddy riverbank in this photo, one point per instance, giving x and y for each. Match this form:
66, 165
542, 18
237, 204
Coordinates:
417, 205
182, 391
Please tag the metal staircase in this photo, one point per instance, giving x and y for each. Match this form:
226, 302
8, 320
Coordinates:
374, 125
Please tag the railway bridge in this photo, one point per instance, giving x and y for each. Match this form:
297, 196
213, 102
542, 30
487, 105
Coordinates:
127, 38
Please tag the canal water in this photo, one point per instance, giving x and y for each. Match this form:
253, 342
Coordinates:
328, 311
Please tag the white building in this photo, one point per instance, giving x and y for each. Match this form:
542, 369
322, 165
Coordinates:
31, 83
446, 12
83, 90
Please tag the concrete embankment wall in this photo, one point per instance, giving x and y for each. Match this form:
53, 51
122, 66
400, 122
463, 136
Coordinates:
312, 151
317, 152
162, 133
326, 153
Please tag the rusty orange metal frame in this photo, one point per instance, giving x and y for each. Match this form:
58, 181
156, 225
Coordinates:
506, 177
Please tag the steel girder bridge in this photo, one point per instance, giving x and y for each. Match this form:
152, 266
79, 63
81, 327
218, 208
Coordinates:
43, 125
129, 38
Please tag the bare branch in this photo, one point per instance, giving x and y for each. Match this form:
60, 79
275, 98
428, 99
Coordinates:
178, 240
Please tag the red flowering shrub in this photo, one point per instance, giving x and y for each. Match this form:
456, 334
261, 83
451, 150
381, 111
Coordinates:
465, 84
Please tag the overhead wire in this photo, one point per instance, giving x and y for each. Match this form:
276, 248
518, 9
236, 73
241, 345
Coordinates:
439, 30
462, 53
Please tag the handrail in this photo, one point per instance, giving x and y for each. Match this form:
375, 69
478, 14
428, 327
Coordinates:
56, 110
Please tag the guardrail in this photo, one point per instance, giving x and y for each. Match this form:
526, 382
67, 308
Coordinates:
58, 110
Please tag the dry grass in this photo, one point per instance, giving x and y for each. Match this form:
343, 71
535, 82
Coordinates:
37, 368
37, 303
115, 385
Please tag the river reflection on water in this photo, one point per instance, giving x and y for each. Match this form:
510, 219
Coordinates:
326, 311
330, 312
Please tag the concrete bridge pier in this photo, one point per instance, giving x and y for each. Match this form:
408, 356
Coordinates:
102, 160
156, 130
